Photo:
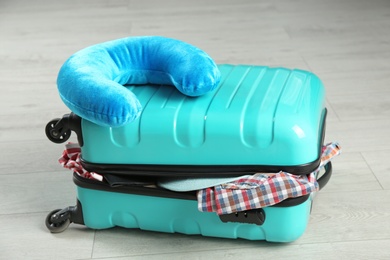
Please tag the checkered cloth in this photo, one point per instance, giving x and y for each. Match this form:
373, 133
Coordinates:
262, 189
257, 191
70, 159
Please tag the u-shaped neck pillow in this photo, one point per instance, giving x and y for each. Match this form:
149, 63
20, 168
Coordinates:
91, 81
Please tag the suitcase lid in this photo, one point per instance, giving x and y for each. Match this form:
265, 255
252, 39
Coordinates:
259, 118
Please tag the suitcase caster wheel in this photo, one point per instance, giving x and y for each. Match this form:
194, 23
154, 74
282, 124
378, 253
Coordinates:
57, 223
55, 135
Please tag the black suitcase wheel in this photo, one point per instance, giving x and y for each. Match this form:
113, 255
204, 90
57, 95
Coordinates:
55, 135
57, 223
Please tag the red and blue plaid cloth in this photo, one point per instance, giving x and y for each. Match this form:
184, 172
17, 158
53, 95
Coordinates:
257, 191
262, 189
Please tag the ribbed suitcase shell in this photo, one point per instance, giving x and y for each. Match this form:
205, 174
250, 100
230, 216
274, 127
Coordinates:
257, 116
102, 209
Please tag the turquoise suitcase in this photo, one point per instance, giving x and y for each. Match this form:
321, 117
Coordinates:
259, 119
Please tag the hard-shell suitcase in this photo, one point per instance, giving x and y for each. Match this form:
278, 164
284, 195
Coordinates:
259, 119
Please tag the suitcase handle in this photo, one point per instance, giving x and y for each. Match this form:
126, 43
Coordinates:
323, 180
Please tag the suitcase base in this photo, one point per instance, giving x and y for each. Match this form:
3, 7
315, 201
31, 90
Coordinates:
102, 209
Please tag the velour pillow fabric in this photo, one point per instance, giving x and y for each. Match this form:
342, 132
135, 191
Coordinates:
91, 81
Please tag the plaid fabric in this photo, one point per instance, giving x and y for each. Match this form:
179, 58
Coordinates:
262, 189
328, 152
70, 159
257, 191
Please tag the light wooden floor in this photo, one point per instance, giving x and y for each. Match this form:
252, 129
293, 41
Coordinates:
345, 42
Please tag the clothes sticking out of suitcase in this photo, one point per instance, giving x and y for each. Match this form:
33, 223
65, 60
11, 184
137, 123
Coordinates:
241, 161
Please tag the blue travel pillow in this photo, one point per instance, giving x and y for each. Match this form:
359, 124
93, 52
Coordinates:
91, 81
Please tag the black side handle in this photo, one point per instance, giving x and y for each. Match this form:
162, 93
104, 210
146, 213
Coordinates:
59, 130
254, 216
324, 179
